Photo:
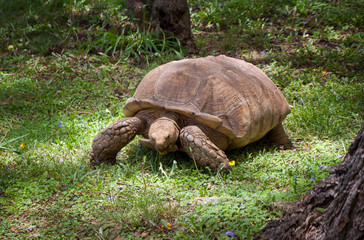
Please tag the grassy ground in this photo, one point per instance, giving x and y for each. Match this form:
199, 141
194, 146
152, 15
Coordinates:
66, 69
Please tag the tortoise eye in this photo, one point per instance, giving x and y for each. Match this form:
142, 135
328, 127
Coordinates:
168, 136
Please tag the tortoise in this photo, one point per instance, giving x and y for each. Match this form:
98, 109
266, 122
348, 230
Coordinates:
201, 106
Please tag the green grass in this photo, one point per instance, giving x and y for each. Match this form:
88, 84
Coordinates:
67, 68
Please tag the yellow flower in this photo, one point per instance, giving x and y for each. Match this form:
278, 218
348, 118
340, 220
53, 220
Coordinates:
232, 163
324, 72
22, 145
10, 48
108, 174
166, 225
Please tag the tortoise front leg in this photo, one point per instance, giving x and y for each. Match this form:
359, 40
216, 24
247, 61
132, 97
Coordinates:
110, 140
202, 150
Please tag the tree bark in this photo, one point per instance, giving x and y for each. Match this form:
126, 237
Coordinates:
333, 209
172, 16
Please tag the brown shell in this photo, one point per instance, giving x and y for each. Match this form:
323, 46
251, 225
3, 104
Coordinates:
229, 95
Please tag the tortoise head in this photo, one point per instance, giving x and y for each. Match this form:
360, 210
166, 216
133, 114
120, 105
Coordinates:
163, 134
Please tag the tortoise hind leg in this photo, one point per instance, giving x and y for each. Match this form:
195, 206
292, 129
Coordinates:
202, 150
277, 135
110, 140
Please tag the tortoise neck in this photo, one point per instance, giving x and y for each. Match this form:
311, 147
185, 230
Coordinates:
169, 120
179, 119
171, 116
151, 115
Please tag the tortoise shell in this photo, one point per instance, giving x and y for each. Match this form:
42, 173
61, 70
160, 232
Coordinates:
229, 95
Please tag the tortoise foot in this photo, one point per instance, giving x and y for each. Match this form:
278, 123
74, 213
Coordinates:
199, 147
110, 140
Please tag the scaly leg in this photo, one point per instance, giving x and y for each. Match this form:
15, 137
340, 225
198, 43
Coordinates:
200, 148
278, 136
109, 141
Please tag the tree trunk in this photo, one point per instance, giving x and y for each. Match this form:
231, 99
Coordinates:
172, 16
333, 209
